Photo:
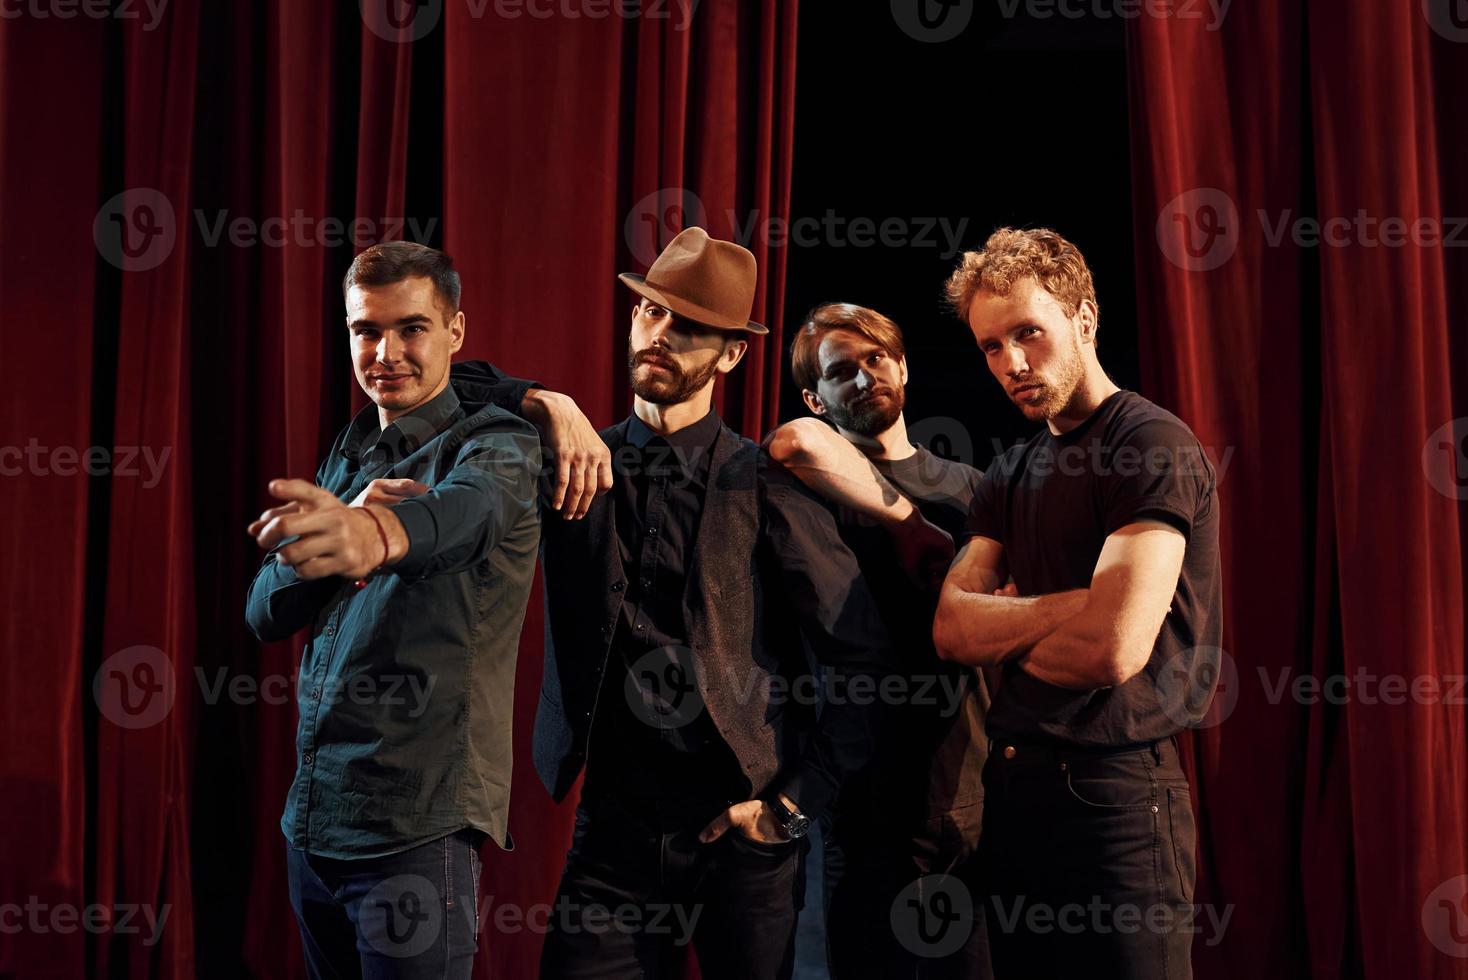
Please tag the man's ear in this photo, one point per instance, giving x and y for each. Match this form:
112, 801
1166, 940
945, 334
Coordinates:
733, 354
456, 328
1086, 319
903, 365
813, 402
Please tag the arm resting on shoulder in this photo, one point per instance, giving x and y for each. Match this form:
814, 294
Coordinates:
829, 465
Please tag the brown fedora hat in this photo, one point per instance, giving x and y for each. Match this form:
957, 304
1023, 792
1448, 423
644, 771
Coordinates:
702, 279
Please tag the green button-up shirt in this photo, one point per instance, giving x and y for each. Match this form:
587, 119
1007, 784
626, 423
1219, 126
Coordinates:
406, 687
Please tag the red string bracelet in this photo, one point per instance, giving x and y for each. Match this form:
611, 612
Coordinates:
361, 583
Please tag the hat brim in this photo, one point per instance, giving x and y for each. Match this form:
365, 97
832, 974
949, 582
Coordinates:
685, 309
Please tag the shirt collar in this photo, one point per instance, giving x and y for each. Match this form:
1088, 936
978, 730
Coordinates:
406, 434
699, 435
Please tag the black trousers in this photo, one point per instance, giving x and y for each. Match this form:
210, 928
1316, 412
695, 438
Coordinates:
890, 895
1087, 863
638, 892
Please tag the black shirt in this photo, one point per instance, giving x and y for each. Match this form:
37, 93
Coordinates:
808, 587
406, 687
934, 754
1051, 502
655, 756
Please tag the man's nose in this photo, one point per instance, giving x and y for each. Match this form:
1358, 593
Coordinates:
1016, 363
388, 349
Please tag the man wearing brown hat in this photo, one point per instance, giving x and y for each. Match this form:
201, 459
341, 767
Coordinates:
675, 672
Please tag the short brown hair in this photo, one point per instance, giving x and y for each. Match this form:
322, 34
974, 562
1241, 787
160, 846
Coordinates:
1012, 254
390, 262
805, 361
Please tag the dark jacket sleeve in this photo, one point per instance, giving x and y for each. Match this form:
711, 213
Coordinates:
821, 579
483, 382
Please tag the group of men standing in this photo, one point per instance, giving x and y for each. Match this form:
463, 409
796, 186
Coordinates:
969, 680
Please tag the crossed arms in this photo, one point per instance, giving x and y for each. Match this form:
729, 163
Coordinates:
1083, 639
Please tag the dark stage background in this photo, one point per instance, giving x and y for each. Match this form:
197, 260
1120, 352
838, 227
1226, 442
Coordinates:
1186, 157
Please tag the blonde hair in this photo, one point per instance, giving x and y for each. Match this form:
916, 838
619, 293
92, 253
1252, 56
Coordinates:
1013, 254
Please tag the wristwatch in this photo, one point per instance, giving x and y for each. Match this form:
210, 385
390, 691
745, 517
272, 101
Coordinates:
793, 823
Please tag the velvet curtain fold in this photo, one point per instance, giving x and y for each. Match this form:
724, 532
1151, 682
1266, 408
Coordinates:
1298, 331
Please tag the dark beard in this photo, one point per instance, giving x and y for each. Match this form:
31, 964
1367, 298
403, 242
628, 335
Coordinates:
871, 417
680, 386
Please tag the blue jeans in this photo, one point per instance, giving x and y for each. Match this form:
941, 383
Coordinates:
404, 916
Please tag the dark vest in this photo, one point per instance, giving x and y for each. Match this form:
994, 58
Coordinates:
584, 589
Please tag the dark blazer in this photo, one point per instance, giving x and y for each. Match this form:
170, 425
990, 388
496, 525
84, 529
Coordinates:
747, 605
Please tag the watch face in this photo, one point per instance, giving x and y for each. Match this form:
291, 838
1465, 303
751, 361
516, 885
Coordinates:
798, 825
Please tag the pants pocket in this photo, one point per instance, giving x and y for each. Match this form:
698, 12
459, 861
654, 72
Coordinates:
1105, 793
1182, 830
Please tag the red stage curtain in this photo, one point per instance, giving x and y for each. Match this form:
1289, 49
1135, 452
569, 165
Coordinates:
47, 724
1325, 822
527, 143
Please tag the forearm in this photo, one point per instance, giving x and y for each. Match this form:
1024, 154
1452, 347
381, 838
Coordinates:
1132, 590
837, 470
859, 486
1081, 655
984, 630
542, 407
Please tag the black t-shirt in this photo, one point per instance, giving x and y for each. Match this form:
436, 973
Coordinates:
1051, 502
933, 757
